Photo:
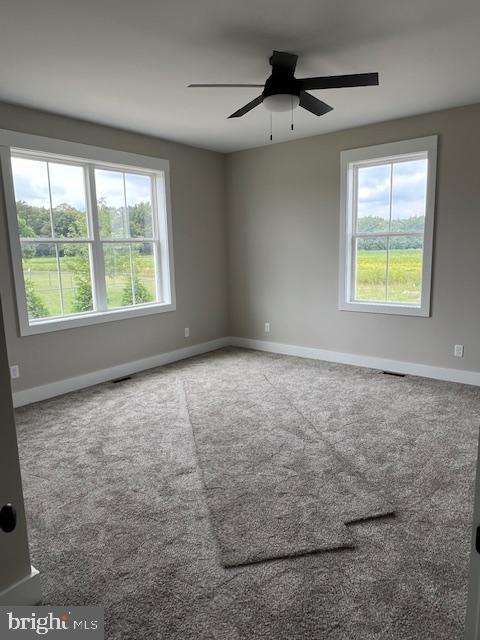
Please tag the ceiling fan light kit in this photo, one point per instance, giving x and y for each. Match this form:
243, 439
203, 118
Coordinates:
281, 102
283, 92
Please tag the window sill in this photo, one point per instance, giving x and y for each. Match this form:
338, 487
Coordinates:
71, 322
389, 309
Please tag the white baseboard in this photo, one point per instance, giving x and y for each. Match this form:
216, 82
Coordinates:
44, 391
371, 362
60, 387
26, 591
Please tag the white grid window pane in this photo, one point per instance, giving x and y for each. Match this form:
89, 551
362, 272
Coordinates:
371, 258
69, 208
390, 200
373, 198
76, 277
409, 190
42, 283
138, 195
129, 274
405, 258
30, 179
111, 203
90, 239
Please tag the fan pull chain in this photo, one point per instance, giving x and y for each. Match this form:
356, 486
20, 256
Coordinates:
271, 127
291, 101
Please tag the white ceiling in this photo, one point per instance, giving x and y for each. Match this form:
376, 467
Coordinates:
128, 64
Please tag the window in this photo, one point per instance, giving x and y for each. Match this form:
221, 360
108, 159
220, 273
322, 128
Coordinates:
90, 236
387, 208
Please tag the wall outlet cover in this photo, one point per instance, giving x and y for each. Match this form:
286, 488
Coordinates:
15, 371
458, 351
187, 332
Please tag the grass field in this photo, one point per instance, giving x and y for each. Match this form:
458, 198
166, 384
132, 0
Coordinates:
42, 273
404, 279
404, 276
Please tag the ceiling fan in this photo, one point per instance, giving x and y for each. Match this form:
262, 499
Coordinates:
282, 91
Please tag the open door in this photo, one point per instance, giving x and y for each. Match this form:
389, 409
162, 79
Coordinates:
19, 582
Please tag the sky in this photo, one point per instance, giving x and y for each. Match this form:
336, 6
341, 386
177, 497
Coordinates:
409, 181
67, 185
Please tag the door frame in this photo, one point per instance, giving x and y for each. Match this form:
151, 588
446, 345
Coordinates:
472, 621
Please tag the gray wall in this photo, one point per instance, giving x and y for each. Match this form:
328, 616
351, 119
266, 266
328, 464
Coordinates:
198, 210
283, 204
283, 226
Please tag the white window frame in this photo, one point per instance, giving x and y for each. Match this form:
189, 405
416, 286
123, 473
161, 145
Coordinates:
93, 157
350, 161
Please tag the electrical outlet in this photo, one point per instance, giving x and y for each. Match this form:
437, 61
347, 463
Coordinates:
458, 351
187, 332
15, 371
267, 327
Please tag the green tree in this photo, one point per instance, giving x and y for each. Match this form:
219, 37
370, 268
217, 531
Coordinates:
79, 264
35, 306
369, 224
111, 220
375, 224
83, 296
33, 221
69, 222
140, 220
141, 293
24, 228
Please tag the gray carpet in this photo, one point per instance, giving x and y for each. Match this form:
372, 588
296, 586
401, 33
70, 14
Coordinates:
118, 511
275, 487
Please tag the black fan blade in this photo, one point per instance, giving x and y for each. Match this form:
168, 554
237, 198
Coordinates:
314, 105
338, 82
248, 107
283, 62
196, 86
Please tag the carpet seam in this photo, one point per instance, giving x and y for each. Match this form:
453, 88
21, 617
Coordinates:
200, 469
347, 464
226, 564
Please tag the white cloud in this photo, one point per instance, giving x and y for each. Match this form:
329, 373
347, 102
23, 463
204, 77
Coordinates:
68, 185
409, 181
109, 185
